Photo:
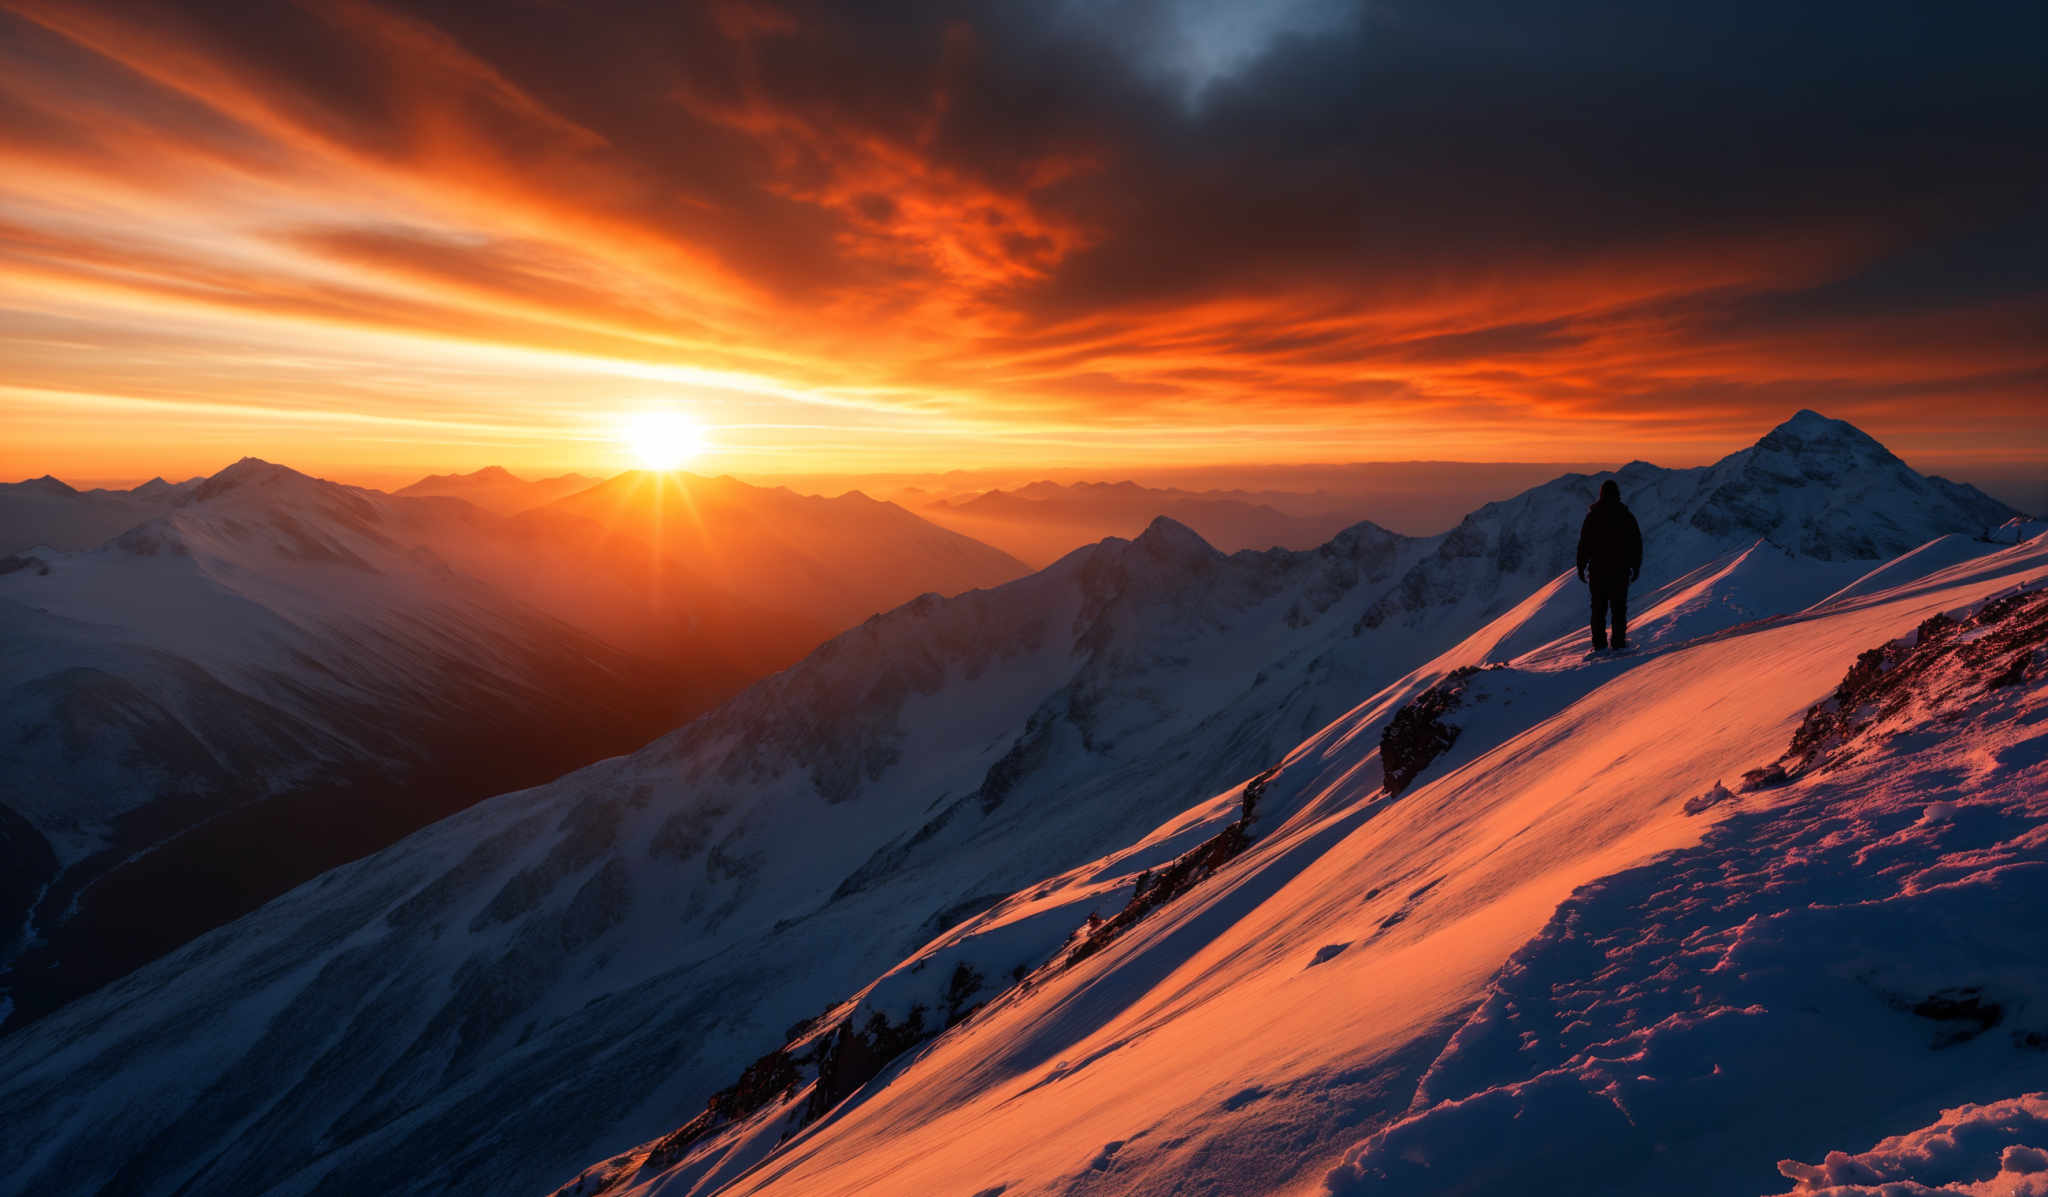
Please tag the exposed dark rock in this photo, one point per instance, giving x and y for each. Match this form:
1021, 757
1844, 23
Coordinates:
1945, 660
850, 1058
1964, 1014
2013, 674
960, 991
1191, 869
1418, 734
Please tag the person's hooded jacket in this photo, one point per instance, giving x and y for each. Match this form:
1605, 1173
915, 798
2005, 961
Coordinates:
1610, 542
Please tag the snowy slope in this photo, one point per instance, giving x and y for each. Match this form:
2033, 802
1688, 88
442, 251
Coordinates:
267, 635
1853, 949
562, 972
47, 512
291, 592
681, 907
1568, 944
263, 654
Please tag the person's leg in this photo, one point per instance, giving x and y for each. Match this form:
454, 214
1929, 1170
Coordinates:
1599, 595
1619, 598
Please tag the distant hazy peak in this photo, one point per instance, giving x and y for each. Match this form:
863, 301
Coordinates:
1169, 538
48, 484
489, 475
1367, 534
250, 471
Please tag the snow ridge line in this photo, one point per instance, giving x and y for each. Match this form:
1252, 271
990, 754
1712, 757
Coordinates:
818, 1069
1877, 922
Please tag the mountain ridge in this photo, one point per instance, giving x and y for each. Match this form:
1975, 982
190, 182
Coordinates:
255, 645
938, 758
498, 489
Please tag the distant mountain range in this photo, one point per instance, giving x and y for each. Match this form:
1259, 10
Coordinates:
832, 866
836, 560
1415, 498
46, 512
264, 674
1044, 521
495, 488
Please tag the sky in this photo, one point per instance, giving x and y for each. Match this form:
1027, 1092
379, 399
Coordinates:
370, 240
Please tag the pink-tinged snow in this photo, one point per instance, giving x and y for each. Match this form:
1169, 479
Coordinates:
1906, 568
1861, 947
1335, 1003
1998, 1149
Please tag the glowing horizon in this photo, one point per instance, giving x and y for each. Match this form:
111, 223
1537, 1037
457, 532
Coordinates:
368, 243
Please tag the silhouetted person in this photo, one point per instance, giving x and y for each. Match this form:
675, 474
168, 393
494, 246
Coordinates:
1610, 557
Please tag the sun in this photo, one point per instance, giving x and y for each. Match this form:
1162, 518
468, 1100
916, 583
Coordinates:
663, 440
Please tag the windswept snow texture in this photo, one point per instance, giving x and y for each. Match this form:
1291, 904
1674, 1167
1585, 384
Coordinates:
1998, 1149
1860, 949
1345, 973
560, 973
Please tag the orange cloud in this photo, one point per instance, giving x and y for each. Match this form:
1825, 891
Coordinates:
954, 239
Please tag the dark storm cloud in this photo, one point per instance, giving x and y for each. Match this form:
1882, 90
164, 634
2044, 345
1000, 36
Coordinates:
1447, 136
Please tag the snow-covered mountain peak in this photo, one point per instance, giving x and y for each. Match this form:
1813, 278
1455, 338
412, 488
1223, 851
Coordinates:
256, 506
1824, 489
1809, 426
248, 472
1363, 536
1170, 540
1814, 446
